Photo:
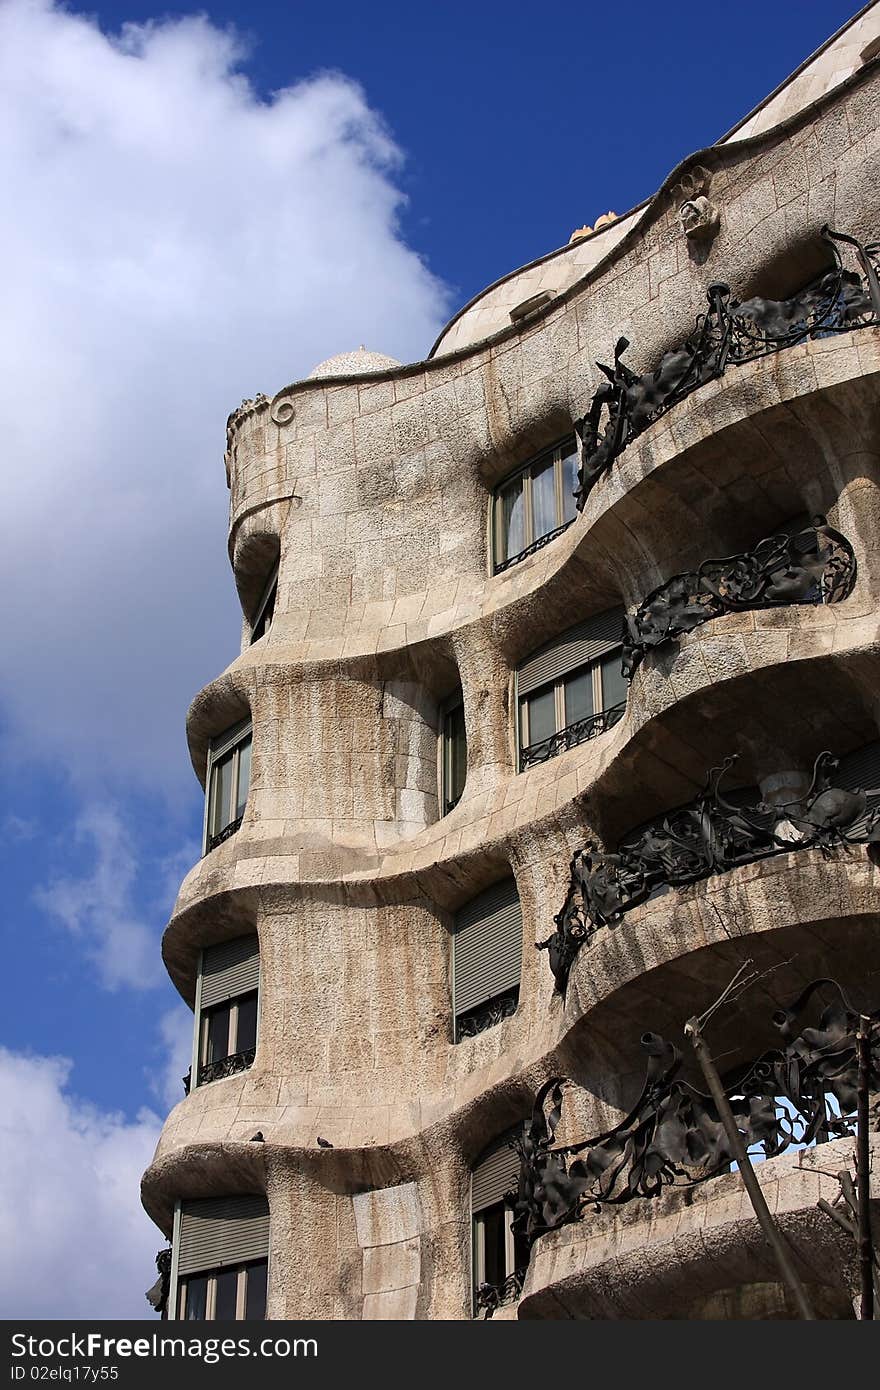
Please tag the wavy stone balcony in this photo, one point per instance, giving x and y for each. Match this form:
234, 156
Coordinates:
669, 954
702, 1255
724, 467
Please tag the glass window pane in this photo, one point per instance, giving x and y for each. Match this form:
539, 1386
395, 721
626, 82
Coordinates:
247, 1023
218, 1034
544, 499
542, 715
512, 520
244, 776
569, 480
455, 764
221, 794
227, 1292
579, 695
196, 1298
614, 686
264, 622
255, 1296
495, 1237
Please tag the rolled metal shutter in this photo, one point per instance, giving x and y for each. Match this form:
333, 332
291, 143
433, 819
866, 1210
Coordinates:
861, 769
494, 1174
222, 1231
230, 969
585, 642
487, 946
223, 742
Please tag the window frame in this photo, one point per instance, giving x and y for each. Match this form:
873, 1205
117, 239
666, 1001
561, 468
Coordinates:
478, 1223
502, 999
202, 1014
267, 601
176, 1278
478, 1231
597, 649
232, 1037
558, 451
241, 1271
448, 708
231, 742
594, 667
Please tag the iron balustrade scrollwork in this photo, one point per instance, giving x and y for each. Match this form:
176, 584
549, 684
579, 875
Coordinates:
539, 544
709, 836
486, 1015
815, 565
731, 332
157, 1294
227, 1066
571, 736
225, 833
488, 1298
801, 1092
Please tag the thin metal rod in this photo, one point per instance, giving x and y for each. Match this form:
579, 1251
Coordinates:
863, 1172
790, 1276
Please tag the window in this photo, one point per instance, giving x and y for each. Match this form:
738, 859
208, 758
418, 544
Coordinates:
487, 947
229, 775
265, 610
535, 505
453, 769
500, 1258
221, 1259
227, 996
571, 690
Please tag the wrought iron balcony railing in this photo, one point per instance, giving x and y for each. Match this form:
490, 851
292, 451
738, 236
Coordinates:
710, 836
224, 1066
539, 544
227, 1066
486, 1015
731, 332
571, 736
224, 834
802, 1092
488, 1298
815, 565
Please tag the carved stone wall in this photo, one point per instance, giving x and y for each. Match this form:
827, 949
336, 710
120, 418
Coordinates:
377, 489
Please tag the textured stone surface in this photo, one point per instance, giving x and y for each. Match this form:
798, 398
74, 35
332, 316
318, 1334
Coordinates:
373, 493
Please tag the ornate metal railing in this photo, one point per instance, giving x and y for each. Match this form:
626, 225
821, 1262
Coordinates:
571, 736
486, 1015
730, 332
539, 544
227, 1066
490, 1297
709, 836
815, 565
224, 834
799, 1093
157, 1295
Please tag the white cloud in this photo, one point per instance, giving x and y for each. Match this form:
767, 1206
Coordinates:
75, 1242
98, 908
171, 243
176, 1039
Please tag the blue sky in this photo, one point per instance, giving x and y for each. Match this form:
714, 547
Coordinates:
183, 236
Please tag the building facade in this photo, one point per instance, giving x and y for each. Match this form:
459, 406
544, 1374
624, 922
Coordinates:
505, 611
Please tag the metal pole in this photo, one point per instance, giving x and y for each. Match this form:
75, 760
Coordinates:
790, 1276
863, 1172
